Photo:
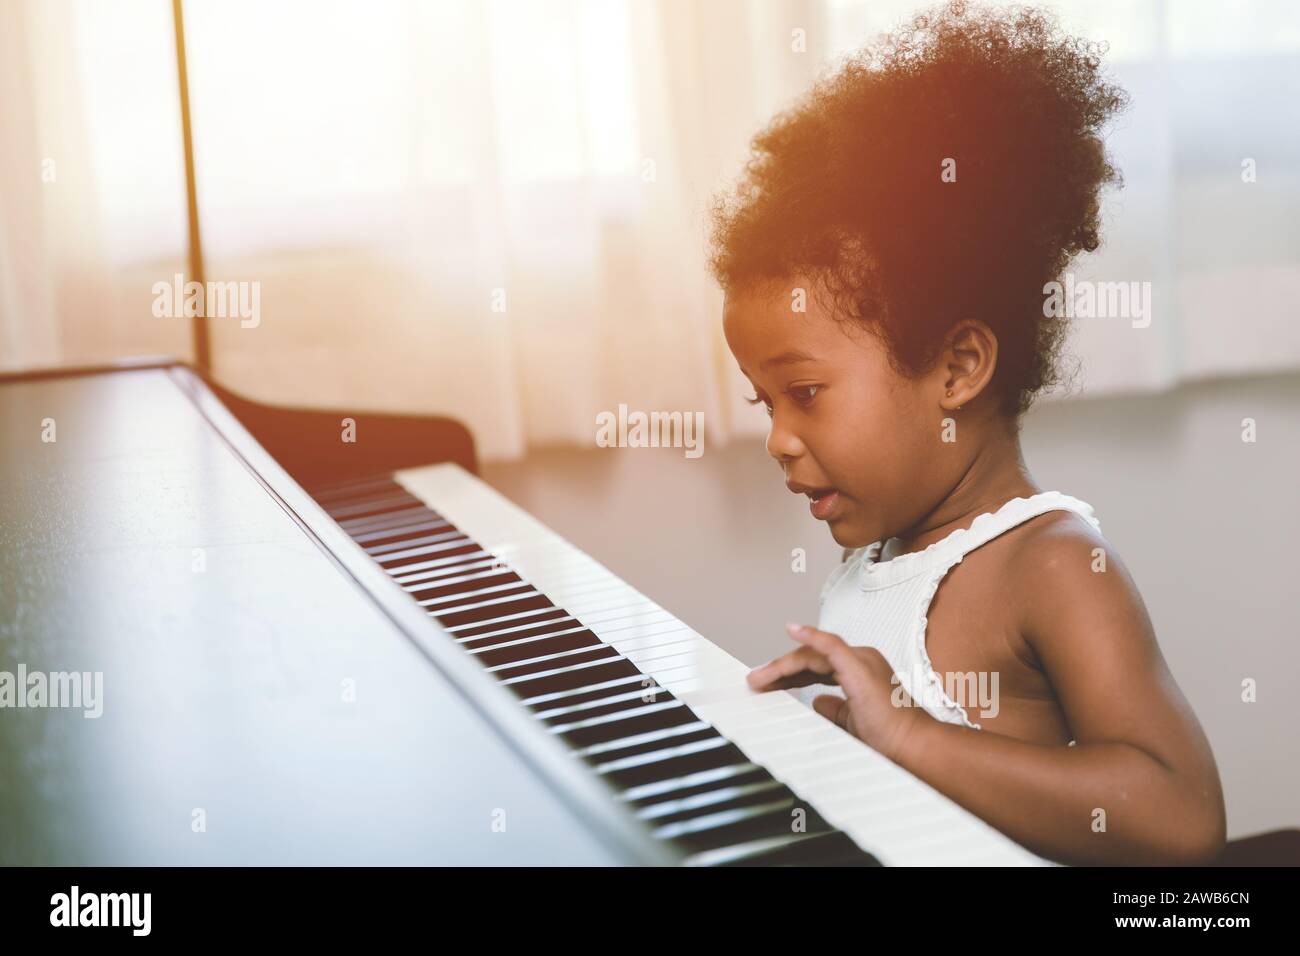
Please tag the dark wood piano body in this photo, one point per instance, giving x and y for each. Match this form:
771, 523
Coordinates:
158, 542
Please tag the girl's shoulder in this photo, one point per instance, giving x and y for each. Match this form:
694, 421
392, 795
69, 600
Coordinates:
1055, 534
1060, 563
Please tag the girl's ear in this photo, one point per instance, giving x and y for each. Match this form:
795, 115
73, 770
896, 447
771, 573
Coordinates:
969, 361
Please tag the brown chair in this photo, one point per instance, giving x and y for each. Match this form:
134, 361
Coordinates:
1273, 848
308, 442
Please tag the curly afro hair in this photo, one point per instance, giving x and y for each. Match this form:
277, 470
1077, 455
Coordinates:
948, 171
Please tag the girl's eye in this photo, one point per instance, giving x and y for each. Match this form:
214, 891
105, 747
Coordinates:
803, 394
754, 400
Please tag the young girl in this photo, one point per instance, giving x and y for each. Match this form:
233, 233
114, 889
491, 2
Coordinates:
884, 264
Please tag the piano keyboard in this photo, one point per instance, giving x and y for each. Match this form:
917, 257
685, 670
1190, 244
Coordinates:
725, 775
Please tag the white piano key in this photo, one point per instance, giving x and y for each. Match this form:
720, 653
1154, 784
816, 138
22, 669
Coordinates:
779, 722
739, 709
868, 804
645, 657
668, 669
586, 592
611, 612
945, 846
617, 628
650, 635
858, 778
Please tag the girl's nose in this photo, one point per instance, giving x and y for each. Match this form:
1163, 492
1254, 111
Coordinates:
783, 444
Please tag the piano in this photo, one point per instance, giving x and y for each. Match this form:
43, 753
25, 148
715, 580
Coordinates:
323, 652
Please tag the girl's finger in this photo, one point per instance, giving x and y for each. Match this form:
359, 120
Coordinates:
835, 709
850, 672
789, 665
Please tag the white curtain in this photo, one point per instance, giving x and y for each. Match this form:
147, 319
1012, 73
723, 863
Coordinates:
496, 209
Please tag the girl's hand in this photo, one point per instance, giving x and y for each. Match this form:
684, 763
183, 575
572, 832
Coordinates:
868, 711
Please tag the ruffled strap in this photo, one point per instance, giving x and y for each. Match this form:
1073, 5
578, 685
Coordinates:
951, 548
1016, 511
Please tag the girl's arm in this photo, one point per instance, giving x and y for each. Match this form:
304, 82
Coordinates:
1140, 786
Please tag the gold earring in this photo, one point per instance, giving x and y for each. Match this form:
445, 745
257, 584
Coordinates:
950, 393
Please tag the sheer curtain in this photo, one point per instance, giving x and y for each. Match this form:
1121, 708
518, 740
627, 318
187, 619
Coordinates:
496, 209
92, 193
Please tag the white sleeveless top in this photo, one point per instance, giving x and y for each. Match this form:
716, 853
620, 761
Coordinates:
885, 603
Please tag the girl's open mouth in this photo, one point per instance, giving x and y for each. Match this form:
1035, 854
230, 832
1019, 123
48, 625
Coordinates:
822, 503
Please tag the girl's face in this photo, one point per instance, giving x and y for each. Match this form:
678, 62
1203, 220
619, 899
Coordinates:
861, 440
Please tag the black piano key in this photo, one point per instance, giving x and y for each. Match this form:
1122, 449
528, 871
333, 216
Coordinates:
474, 595
729, 788
718, 800
649, 742
473, 581
494, 611
371, 507
623, 724
827, 848
493, 630
390, 544
481, 565
529, 648
729, 827
559, 647
446, 554
668, 764
395, 532
354, 489
482, 597
598, 652
597, 690
457, 545
615, 702
644, 794
589, 674
454, 564
739, 775
521, 634
378, 497
359, 528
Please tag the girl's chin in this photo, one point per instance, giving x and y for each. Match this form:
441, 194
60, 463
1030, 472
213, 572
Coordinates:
849, 531
846, 536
